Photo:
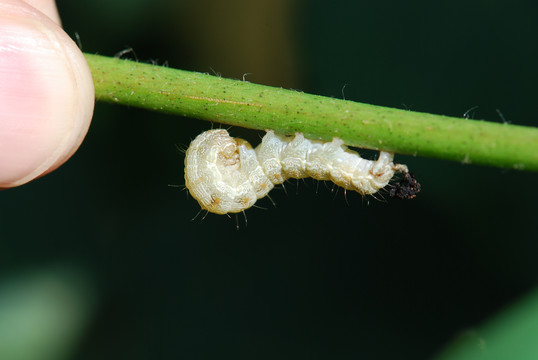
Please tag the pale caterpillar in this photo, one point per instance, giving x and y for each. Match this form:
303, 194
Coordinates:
226, 175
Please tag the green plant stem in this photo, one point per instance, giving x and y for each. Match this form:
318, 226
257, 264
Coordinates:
241, 103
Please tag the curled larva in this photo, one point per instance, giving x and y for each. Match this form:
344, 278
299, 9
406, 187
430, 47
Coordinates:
226, 175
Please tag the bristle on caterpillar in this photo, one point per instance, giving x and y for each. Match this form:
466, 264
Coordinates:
226, 175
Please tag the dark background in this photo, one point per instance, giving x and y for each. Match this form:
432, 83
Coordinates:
321, 275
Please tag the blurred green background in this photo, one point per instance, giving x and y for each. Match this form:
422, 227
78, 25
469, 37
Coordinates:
108, 250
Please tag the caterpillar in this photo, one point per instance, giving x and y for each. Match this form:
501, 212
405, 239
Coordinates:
226, 175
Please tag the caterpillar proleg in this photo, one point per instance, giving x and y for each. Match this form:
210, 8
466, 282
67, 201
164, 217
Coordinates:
226, 175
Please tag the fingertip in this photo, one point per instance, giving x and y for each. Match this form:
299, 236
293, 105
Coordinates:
46, 94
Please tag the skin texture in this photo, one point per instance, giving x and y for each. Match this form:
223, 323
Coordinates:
225, 175
46, 92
